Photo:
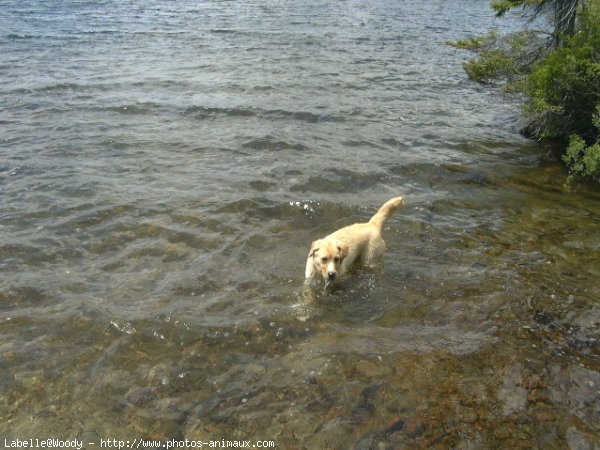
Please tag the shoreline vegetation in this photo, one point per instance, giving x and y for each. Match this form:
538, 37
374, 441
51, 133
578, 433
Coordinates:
556, 72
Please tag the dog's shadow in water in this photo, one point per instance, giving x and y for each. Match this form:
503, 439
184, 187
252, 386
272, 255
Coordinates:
314, 299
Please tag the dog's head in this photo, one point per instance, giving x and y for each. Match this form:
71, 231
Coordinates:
327, 256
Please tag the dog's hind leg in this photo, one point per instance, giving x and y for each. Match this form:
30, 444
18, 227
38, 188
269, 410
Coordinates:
374, 252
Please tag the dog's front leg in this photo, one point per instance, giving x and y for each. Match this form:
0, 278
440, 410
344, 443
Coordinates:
309, 272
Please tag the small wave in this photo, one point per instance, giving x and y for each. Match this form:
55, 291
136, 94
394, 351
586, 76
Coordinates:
205, 112
334, 180
23, 171
270, 143
91, 216
265, 210
223, 31
15, 36
242, 205
49, 88
34, 254
61, 87
263, 88
258, 185
361, 143
137, 108
304, 116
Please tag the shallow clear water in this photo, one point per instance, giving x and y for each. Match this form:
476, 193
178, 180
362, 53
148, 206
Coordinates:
164, 167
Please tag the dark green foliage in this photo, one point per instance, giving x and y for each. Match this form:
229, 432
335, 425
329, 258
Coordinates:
583, 160
503, 6
564, 92
565, 85
505, 58
564, 13
493, 64
560, 77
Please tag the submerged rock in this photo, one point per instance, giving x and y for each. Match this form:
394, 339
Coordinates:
140, 396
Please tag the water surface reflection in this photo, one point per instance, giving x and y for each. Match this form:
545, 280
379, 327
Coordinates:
156, 214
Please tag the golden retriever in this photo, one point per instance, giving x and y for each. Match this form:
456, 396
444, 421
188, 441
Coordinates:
332, 256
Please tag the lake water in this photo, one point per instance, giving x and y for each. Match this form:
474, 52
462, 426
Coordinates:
164, 167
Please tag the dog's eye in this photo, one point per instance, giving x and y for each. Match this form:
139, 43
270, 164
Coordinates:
336, 259
323, 260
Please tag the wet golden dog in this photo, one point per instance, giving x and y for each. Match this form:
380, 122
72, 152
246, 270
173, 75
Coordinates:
332, 256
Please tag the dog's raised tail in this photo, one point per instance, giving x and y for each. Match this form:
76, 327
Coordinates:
386, 211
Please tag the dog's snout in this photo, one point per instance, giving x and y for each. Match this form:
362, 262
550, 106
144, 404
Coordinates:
331, 275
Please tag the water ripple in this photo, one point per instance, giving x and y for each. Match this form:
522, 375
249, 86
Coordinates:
164, 167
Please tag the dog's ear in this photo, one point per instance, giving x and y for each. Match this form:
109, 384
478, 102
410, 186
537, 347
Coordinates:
343, 249
314, 247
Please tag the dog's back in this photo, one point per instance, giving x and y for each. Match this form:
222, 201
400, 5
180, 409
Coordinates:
363, 241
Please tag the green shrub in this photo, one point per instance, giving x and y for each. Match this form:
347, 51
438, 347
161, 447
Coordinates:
501, 58
582, 159
564, 87
493, 65
564, 92
559, 76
